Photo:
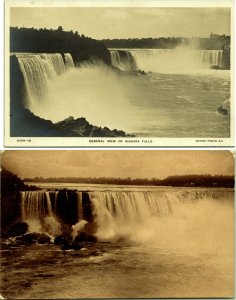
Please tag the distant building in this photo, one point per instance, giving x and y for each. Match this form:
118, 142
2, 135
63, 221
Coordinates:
216, 36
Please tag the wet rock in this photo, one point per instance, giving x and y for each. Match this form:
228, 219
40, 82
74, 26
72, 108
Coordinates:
15, 229
215, 67
138, 72
67, 246
226, 58
222, 110
81, 240
34, 126
81, 237
9, 242
84, 237
66, 243
33, 238
44, 239
76, 246
62, 240
81, 127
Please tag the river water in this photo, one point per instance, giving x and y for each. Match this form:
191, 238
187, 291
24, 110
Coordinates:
182, 105
188, 253
177, 98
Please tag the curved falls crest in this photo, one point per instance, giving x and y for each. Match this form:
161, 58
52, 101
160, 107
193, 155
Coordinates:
118, 214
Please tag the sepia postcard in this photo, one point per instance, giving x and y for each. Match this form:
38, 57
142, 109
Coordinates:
152, 224
119, 73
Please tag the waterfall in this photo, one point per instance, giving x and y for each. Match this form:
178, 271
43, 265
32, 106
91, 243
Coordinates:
35, 76
113, 212
36, 210
211, 57
122, 59
35, 205
44, 210
80, 206
157, 60
115, 58
38, 70
69, 61
137, 216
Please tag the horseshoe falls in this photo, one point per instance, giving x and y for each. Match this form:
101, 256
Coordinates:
166, 60
116, 210
154, 241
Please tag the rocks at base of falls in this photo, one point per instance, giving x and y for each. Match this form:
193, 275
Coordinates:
25, 123
138, 72
85, 237
82, 240
215, 67
14, 229
81, 127
34, 238
62, 239
134, 72
26, 239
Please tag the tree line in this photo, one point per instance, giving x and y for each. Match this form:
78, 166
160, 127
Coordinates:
216, 43
81, 48
12, 183
178, 181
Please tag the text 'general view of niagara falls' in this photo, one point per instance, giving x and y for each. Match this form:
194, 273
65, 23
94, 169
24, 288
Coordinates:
119, 72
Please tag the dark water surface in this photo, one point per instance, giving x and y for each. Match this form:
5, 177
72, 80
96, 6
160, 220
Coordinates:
121, 271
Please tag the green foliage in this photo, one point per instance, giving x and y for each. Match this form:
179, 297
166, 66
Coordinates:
58, 41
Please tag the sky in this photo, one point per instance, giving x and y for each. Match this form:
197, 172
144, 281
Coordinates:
126, 22
117, 163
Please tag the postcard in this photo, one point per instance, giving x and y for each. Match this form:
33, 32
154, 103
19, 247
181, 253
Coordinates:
152, 224
119, 73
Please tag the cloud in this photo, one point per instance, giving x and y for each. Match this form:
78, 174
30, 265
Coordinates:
125, 163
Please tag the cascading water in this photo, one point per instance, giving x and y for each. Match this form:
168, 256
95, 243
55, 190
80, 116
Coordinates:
35, 76
116, 213
158, 60
36, 210
38, 70
122, 214
164, 242
43, 210
69, 61
35, 205
123, 60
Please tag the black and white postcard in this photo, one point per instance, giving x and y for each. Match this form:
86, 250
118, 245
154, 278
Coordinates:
119, 73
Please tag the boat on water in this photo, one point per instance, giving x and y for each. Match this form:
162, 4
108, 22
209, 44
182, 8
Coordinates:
224, 108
